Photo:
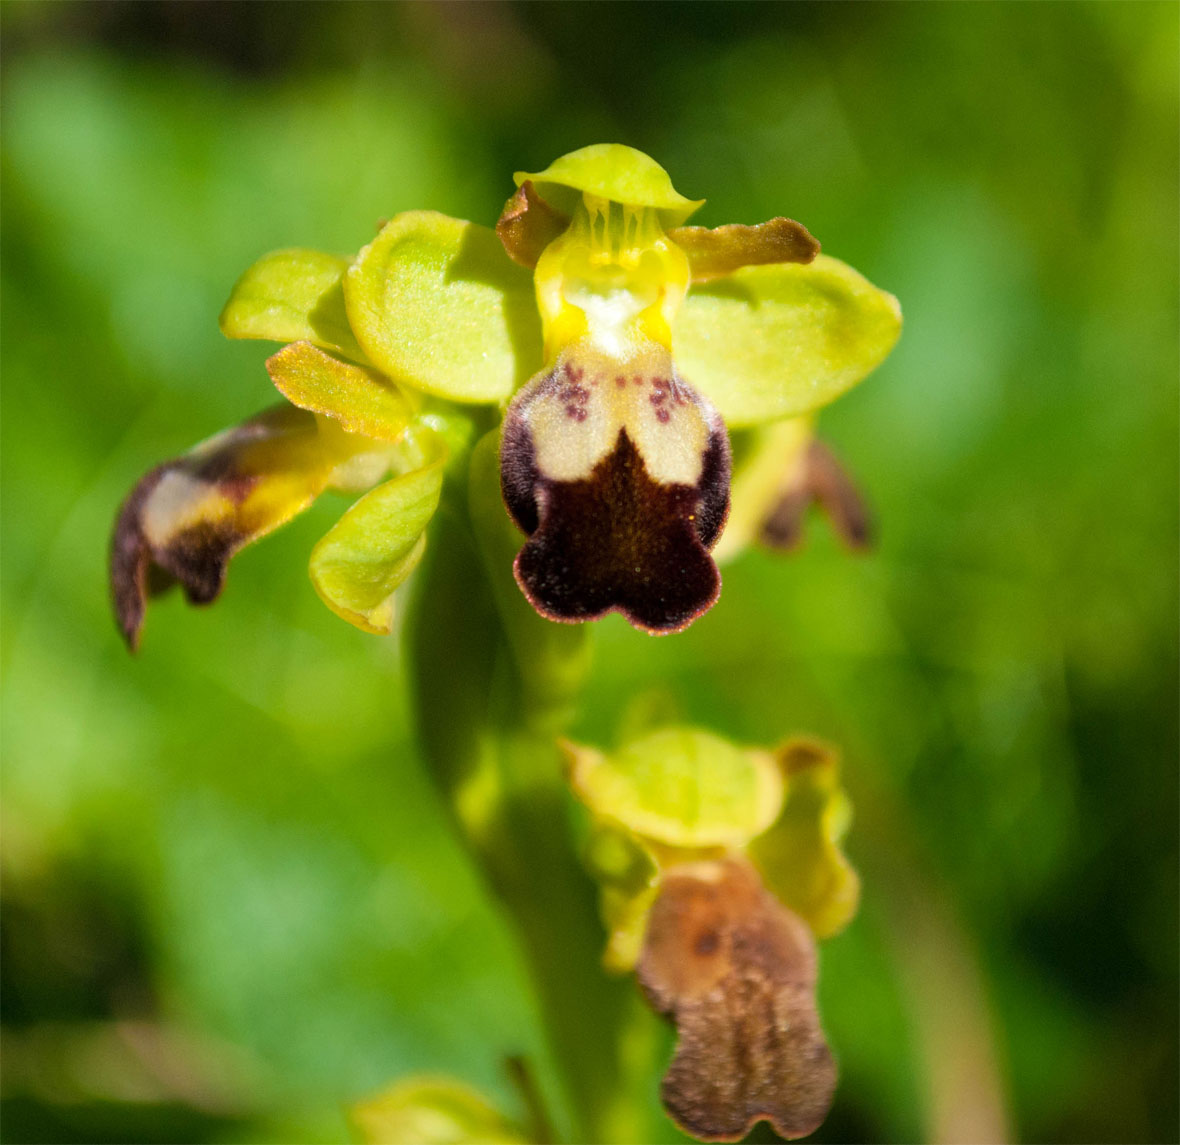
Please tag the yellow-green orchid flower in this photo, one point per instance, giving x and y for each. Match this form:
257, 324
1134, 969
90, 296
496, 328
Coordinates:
719, 867
619, 344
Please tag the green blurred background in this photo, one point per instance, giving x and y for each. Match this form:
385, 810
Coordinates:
231, 900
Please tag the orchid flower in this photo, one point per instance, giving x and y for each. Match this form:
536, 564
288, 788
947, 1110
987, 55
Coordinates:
619, 345
719, 867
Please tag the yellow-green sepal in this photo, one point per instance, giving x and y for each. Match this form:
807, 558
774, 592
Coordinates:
361, 400
800, 856
360, 562
615, 172
431, 1111
681, 787
628, 877
438, 306
775, 341
291, 296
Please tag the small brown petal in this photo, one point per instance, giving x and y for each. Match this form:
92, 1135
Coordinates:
722, 250
736, 972
528, 224
621, 479
819, 478
800, 753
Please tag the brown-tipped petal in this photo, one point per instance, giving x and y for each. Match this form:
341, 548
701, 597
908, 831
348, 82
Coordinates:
736, 972
620, 476
528, 224
783, 528
722, 250
818, 477
185, 519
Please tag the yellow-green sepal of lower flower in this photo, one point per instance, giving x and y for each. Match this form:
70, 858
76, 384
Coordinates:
615, 172
779, 340
628, 877
431, 1111
360, 399
438, 306
291, 296
357, 566
800, 856
681, 787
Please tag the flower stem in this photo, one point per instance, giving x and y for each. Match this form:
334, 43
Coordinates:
491, 688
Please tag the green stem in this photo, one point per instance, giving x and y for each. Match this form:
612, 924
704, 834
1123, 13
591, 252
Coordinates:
490, 697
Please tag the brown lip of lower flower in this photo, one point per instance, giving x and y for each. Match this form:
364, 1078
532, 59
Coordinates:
736, 972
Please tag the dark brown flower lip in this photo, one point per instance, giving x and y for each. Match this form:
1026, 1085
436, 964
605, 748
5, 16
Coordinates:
195, 557
605, 534
131, 565
658, 597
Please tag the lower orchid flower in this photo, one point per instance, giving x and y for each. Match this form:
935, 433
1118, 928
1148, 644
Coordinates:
718, 869
620, 346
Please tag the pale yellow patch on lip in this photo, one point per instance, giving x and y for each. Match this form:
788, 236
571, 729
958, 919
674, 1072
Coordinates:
579, 408
178, 502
